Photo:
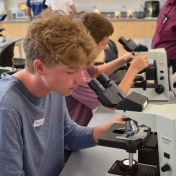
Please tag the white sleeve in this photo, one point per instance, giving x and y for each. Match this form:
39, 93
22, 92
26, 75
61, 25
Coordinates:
48, 3
71, 2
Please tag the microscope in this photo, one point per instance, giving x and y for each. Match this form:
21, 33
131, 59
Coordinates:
156, 79
2, 37
154, 137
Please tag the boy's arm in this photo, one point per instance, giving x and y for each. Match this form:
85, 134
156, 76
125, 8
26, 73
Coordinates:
138, 64
73, 10
48, 4
49, 8
110, 67
11, 145
29, 13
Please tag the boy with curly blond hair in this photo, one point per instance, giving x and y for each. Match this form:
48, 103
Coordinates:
35, 126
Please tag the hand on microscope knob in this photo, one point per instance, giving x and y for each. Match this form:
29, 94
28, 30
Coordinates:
118, 119
139, 63
126, 118
128, 57
100, 129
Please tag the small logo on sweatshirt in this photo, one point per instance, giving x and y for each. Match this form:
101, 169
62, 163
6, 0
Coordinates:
38, 122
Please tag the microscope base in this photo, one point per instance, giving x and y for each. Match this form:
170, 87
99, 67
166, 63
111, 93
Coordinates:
143, 170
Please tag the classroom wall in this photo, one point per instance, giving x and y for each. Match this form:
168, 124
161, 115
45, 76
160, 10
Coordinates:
102, 5
1, 5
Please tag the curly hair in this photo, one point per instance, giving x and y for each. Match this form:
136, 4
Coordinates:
56, 39
98, 26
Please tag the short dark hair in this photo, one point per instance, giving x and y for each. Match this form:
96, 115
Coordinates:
98, 26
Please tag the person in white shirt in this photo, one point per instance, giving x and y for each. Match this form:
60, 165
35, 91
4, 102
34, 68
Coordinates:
67, 6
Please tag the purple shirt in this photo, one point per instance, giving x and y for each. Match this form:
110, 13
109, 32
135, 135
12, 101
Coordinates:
83, 100
165, 34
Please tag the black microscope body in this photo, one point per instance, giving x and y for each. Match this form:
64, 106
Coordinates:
129, 136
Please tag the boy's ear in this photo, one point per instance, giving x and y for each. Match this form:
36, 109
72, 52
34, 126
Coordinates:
39, 66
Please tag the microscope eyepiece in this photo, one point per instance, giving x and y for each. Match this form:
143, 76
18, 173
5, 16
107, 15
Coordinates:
130, 45
104, 80
122, 41
96, 86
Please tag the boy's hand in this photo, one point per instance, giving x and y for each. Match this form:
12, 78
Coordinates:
139, 63
99, 130
128, 57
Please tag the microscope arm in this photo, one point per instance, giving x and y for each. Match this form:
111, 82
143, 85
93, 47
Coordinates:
133, 106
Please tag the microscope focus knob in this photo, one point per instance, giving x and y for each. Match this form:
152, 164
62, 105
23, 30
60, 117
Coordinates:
162, 77
159, 89
166, 168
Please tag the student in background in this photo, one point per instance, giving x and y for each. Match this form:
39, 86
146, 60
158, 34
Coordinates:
83, 100
67, 6
35, 6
